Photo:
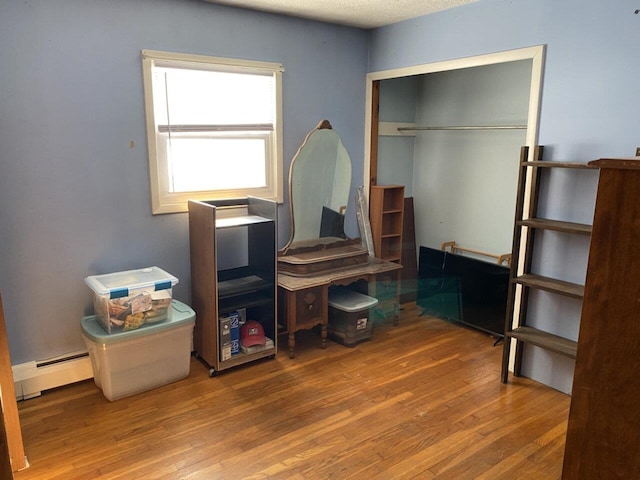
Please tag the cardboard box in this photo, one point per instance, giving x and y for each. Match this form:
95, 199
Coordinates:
225, 338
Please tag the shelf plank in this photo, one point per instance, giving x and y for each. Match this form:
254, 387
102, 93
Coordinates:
242, 358
557, 225
551, 285
231, 304
241, 220
238, 286
552, 164
545, 340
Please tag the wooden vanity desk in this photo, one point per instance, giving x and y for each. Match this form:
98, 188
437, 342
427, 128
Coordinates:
303, 300
319, 254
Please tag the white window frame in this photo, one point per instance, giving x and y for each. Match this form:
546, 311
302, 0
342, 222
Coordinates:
162, 199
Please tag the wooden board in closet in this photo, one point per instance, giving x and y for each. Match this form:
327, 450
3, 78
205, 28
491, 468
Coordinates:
386, 214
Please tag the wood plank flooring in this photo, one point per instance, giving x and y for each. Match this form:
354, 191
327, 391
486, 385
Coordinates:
419, 401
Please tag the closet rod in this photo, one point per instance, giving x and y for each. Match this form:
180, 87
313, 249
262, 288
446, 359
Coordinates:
469, 127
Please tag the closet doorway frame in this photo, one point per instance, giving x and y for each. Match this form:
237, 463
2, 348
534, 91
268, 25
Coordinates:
536, 54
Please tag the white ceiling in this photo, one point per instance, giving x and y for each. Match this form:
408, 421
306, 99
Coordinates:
355, 13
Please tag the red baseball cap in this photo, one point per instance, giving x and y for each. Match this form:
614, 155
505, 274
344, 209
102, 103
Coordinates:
252, 334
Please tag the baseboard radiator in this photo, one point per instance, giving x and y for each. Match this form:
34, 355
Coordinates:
33, 378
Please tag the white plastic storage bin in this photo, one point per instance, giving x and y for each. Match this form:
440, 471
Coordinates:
127, 363
349, 315
125, 301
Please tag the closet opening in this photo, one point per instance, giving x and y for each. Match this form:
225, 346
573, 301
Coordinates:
451, 132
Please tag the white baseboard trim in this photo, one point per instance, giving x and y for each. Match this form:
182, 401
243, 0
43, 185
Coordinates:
33, 378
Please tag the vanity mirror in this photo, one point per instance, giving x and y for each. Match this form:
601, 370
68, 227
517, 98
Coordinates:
319, 184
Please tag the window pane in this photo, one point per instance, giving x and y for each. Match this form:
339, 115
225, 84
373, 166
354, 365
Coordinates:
202, 164
198, 97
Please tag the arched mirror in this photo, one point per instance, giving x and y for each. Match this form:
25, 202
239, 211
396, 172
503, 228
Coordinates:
319, 183
319, 187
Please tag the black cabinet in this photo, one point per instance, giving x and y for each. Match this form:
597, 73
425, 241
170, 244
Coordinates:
233, 278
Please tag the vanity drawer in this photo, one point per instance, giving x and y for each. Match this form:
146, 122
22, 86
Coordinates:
310, 307
303, 309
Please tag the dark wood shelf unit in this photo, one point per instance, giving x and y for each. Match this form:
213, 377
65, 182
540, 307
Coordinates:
526, 224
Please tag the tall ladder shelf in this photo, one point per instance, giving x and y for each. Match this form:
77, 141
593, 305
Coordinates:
522, 280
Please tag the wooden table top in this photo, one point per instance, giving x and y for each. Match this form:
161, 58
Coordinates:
373, 266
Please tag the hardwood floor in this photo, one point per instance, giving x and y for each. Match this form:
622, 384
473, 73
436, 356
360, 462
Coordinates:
419, 401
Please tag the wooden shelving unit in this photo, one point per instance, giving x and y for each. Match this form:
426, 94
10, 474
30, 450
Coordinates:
386, 212
249, 287
526, 224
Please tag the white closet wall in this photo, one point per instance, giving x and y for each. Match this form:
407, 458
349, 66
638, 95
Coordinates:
463, 182
395, 153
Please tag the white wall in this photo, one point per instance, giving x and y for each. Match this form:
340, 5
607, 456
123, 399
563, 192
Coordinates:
395, 153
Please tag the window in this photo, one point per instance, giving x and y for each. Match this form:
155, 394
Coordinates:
214, 128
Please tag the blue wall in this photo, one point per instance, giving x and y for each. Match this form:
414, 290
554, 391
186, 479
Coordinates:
74, 192
589, 109
590, 97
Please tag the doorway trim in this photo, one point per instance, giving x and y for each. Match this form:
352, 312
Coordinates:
535, 54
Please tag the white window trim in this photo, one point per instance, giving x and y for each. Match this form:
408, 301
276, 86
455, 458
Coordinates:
163, 201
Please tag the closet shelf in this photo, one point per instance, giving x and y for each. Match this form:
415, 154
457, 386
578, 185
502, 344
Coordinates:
553, 164
545, 340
